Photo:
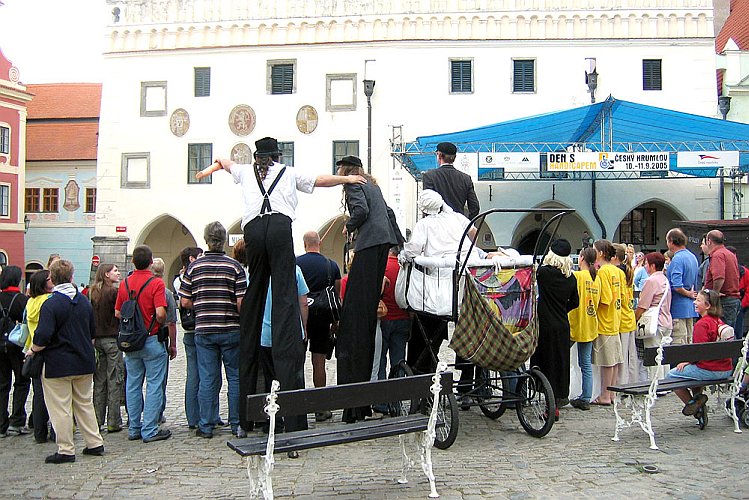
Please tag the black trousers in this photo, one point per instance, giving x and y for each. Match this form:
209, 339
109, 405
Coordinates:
11, 360
358, 325
418, 357
39, 414
270, 254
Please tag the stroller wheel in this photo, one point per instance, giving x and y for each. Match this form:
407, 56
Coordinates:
744, 418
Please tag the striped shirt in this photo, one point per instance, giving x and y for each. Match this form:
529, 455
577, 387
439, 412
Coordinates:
214, 282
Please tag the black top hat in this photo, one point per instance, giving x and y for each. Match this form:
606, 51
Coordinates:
349, 160
447, 148
267, 146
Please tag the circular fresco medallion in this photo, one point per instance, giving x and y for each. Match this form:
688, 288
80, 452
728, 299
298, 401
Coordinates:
241, 153
242, 120
179, 122
306, 119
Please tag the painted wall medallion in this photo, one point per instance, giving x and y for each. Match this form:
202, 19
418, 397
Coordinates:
306, 119
179, 122
241, 153
242, 120
71, 196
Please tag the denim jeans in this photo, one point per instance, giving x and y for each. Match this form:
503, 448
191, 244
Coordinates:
394, 337
731, 307
192, 381
148, 364
584, 350
212, 348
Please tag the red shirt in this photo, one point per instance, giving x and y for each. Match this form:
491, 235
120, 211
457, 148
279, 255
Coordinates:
153, 295
706, 330
723, 264
744, 285
391, 272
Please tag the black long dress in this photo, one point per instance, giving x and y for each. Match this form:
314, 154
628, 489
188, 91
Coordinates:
557, 295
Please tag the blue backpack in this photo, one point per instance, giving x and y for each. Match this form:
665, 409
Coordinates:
133, 334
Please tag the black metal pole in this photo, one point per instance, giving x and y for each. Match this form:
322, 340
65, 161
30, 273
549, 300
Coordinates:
369, 134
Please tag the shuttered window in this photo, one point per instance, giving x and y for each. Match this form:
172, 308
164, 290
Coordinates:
461, 76
282, 79
4, 140
202, 82
523, 75
651, 74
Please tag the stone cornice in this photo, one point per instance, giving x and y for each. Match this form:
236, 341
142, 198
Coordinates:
178, 24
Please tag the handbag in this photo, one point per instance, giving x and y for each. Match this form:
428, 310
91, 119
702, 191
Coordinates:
647, 325
33, 365
19, 335
325, 302
423, 289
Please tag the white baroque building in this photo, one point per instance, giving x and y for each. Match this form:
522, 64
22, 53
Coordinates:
190, 80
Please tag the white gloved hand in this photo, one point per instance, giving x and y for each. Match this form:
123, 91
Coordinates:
404, 258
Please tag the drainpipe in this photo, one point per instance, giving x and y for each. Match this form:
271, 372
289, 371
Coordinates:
593, 205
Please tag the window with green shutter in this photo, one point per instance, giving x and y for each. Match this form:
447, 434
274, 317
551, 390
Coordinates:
524, 75
199, 156
202, 82
461, 76
282, 79
651, 74
344, 148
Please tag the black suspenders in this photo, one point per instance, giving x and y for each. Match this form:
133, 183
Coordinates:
266, 209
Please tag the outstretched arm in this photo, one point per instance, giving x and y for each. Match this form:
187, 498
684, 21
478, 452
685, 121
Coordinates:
335, 180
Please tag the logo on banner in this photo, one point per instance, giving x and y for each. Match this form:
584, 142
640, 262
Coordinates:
707, 159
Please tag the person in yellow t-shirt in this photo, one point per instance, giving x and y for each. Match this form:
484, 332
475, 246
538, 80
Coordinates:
40, 288
627, 372
584, 324
607, 348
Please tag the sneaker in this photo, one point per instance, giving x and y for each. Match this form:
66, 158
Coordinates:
464, 400
159, 436
580, 404
58, 458
17, 431
694, 404
561, 403
203, 434
293, 454
220, 423
133, 437
114, 428
323, 416
97, 452
241, 433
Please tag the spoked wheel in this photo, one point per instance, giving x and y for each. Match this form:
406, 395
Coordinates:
447, 420
490, 392
744, 418
406, 407
536, 406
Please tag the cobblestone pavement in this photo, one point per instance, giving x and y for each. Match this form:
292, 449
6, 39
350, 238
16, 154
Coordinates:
490, 459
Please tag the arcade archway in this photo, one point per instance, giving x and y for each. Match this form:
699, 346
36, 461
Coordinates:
528, 230
167, 236
645, 226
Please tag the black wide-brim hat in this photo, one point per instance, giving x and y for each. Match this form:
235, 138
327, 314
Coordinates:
349, 160
267, 146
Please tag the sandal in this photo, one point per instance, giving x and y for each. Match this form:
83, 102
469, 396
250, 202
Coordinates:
599, 403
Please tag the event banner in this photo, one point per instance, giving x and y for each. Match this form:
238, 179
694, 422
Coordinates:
511, 162
707, 159
606, 162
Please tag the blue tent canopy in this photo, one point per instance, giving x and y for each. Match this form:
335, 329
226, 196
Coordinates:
610, 125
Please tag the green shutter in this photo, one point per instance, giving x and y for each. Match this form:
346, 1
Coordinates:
202, 82
282, 79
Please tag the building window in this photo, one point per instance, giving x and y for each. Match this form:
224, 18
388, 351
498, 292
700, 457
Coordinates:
281, 77
461, 76
344, 148
638, 227
287, 153
199, 156
523, 75
4, 200
32, 200
202, 82
3, 259
90, 200
4, 140
152, 98
136, 171
51, 200
651, 74
340, 92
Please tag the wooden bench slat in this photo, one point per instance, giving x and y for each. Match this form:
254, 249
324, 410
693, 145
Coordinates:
675, 354
336, 397
332, 435
666, 385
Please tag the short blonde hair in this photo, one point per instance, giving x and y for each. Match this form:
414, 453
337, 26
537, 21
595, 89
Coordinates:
158, 266
61, 271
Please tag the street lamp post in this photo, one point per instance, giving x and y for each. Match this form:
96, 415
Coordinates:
368, 91
591, 78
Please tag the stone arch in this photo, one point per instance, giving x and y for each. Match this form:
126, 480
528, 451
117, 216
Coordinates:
167, 236
635, 224
32, 266
528, 229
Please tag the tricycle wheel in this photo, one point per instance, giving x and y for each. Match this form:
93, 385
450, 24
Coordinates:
490, 392
536, 406
447, 420
406, 407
